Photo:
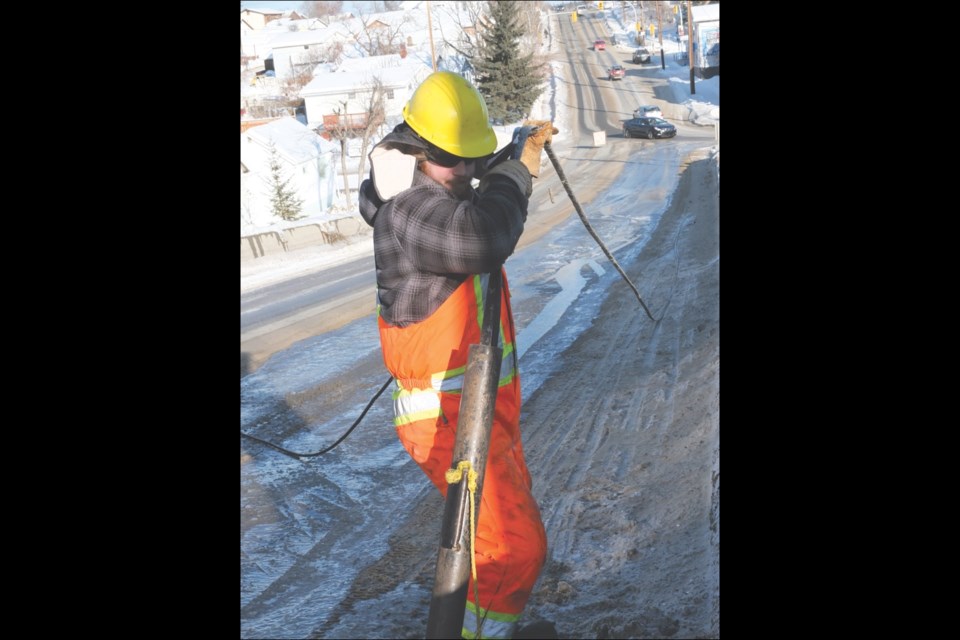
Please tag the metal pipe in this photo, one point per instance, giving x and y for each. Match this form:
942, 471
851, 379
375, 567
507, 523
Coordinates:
477, 404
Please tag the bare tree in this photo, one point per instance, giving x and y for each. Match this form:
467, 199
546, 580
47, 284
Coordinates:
376, 116
363, 126
470, 21
340, 129
301, 72
376, 6
321, 9
378, 38
246, 208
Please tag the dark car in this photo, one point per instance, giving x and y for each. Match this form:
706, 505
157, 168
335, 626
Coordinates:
617, 72
649, 128
641, 55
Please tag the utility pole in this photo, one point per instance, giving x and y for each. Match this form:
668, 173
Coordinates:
643, 38
690, 43
663, 64
680, 23
433, 54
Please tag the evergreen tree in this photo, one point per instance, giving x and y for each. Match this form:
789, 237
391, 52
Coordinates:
283, 198
508, 80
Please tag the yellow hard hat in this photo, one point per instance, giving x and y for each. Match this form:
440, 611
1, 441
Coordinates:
449, 112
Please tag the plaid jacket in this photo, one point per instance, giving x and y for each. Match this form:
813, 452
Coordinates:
426, 241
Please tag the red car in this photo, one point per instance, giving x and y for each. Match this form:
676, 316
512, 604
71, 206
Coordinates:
617, 72
599, 45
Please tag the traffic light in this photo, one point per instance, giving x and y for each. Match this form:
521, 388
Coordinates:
573, 16
600, 6
675, 8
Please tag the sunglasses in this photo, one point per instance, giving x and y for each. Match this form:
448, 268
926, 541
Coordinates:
439, 157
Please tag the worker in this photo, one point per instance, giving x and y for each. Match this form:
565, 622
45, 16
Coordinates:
436, 238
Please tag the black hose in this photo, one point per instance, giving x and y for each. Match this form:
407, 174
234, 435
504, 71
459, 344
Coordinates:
294, 454
586, 223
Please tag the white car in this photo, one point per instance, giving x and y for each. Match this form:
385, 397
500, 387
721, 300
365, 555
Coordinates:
647, 111
641, 56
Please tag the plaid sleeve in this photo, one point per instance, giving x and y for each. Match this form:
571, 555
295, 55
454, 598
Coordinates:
441, 234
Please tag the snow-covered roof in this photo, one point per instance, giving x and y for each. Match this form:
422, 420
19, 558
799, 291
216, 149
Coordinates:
300, 38
295, 24
705, 12
392, 18
395, 76
293, 140
351, 65
269, 12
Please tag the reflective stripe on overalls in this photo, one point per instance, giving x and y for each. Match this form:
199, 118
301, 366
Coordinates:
428, 360
411, 405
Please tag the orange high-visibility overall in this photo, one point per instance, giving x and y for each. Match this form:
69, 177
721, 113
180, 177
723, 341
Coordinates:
428, 360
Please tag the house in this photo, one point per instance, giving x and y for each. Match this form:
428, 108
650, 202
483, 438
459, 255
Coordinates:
337, 56
347, 90
306, 159
254, 43
299, 24
259, 17
295, 51
706, 40
341, 98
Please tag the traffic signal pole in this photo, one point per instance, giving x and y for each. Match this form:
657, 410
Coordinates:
690, 43
663, 64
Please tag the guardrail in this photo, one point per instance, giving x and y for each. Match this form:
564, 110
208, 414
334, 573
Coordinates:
258, 245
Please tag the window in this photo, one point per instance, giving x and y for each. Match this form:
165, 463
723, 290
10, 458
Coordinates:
389, 94
352, 95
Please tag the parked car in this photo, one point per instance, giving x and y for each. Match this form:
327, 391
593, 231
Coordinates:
647, 111
641, 55
617, 72
599, 45
649, 128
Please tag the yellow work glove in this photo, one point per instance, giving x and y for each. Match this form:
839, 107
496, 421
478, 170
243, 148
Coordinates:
530, 156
